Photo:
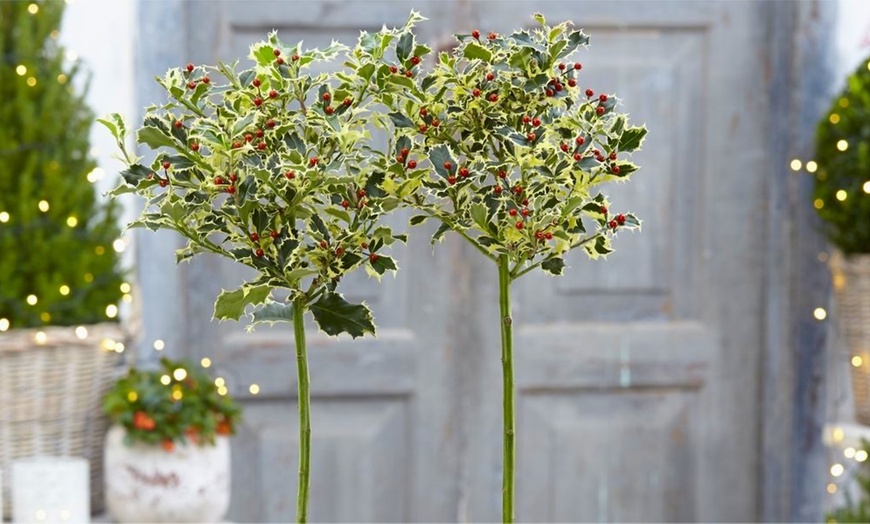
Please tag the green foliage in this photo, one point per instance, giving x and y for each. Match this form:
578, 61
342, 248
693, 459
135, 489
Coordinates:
270, 167
501, 143
177, 403
44, 156
856, 510
846, 172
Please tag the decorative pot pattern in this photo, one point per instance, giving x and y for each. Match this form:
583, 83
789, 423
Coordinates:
148, 484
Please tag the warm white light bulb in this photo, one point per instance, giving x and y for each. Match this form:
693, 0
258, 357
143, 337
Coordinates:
837, 470
43, 206
111, 311
796, 165
82, 332
159, 345
812, 166
820, 313
4, 217
4, 324
842, 145
32, 300
205, 362
180, 374
254, 389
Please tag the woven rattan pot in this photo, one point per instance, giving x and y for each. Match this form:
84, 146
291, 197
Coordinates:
51, 386
852, 288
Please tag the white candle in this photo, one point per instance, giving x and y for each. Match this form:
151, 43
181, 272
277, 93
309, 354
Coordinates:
50, 489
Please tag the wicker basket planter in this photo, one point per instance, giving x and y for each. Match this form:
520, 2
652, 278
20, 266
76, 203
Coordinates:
852, 288
51, 388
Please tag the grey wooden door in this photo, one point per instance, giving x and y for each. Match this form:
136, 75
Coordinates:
637, 377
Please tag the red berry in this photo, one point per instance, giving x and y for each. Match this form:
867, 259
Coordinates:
531, 137
561, 67
400, 159
273, 234
279, 61
295, 57
424, 111
613, 155
404, 151
603, 210
313, 161
189, 68
475, 34
415, 60
512, 212
256, 82
612, 224
290, 175
206, 80
373, 257
348, 101
451, 180
572, 82
168, 445
424, 127
525, 201
548, 235
258, 101
564, 147
502, 174
150, 176
475, 92
497, 190
194, 146
237, 144
326, 97
248, 137
179, 124
578, 66
339, 251
615, 169
463, 172
345, 204
519, 225
525, 212
163, 182
323, 244
490, 77
603, 98
218, 181
590, 92
166, 165
255, 237
578, 157
620, 219
536, 122
259, 133
412, 164
549, 92
360, 193
364, 245
233, 177
273, 94
559, 87
276, 52
448, 166
270, 124
539, 234
493, 97
580, 140
599, 110
436, 123
261, 146
394, 69
259, 252
329, 110
231, 189
526, 119
492, 36
191, 85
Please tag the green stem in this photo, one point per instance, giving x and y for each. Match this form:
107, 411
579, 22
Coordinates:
504, 302
304, 411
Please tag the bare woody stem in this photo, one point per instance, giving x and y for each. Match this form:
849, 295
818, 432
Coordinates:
504, 301
299, 307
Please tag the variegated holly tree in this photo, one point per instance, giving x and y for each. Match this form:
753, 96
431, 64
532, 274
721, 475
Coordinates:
271, 168
505, 144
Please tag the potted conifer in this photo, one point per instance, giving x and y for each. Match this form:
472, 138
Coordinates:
59, 278
842, 199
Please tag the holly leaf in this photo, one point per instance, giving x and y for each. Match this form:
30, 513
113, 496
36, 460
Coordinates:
632, 139
404, 46
135, 174
416, 220
154, 138
230, 305
273, 312
439, 234
554, 266
400, 120
438, 155
334, 315
473, 51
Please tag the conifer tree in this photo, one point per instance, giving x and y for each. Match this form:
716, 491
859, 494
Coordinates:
57, 262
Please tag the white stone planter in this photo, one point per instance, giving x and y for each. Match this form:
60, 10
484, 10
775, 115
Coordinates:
148, 484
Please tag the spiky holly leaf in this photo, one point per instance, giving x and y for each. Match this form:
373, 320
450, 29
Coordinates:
334, 315
554, 266
230, 305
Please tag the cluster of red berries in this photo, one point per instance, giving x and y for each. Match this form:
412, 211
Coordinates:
231, 187
427, 121
402, 158
280, 60
543, 235
617, 221
476, 35
255, 238
143, 421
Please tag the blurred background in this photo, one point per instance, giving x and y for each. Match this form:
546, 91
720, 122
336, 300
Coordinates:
696, 375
